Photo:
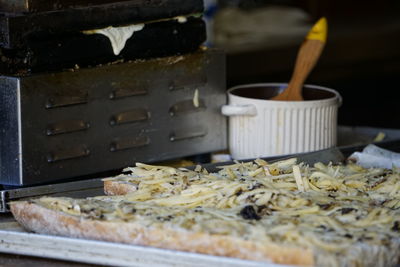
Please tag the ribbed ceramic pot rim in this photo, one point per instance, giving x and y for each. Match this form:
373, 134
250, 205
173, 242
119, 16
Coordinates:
337, 96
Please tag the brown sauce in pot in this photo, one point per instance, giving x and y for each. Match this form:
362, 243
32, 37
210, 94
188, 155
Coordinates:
263, 92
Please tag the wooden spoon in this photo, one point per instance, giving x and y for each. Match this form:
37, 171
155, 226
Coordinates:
307, 57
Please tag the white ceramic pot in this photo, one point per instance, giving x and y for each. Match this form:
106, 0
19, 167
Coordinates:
259, 127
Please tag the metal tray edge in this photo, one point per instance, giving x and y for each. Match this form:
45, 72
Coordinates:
112, 254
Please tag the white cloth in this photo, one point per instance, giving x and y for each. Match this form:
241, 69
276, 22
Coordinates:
373, 156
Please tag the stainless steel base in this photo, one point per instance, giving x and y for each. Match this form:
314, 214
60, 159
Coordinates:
61, 125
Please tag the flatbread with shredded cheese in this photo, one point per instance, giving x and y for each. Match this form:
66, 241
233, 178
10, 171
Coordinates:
285, 212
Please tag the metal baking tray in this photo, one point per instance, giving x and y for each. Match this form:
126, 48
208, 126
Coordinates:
78, 189
13, 239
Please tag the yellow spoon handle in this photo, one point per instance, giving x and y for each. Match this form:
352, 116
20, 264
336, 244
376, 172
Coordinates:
319, 31
307, 57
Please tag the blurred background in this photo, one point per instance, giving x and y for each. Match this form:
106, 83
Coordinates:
361, 59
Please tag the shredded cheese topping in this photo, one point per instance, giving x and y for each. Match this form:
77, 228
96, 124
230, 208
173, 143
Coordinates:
329, 208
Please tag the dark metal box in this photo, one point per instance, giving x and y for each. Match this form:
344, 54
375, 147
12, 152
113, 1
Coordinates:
57, 52
67, 124
23, 6
18, 30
